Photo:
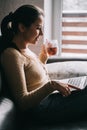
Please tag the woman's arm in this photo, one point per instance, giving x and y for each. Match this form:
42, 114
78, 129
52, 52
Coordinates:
43, 54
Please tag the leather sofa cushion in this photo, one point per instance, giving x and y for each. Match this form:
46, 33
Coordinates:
0, 82
7, 114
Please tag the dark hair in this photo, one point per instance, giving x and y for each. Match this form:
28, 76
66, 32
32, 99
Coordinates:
26, 14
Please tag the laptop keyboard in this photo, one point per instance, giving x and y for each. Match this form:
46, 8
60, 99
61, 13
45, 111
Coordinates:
79, 82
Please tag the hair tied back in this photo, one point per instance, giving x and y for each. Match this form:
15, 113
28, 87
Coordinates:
10, 17
6, 23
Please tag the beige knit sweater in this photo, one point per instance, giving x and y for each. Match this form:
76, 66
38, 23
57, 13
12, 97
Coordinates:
26, 76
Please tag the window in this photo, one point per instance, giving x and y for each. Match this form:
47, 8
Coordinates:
66, 21
74, 28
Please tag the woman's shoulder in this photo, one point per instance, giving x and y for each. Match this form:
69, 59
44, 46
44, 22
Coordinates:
12, 53
12, 57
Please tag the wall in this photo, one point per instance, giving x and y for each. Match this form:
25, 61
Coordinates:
48, 19
7, 6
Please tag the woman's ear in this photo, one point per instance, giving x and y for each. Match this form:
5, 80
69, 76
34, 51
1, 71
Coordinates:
21, 27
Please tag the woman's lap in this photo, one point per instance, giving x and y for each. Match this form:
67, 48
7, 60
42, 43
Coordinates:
56, 107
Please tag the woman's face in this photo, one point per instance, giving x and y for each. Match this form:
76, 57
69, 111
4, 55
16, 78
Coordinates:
33, 33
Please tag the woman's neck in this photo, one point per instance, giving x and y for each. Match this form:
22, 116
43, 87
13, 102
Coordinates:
20, 43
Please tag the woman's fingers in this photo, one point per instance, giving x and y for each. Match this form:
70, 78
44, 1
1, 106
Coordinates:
62, 88
67, 91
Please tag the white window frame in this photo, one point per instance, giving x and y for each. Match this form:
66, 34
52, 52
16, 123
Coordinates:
53, 18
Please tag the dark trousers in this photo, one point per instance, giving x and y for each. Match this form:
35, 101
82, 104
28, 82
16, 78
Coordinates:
55, 107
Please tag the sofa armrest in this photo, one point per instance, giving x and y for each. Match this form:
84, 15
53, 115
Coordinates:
67, 69
63, 59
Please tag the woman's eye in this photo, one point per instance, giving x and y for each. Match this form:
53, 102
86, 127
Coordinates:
39, 28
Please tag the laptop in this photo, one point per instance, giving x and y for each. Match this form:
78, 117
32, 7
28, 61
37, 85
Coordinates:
75, 83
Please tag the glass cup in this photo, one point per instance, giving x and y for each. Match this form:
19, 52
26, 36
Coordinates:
52, 47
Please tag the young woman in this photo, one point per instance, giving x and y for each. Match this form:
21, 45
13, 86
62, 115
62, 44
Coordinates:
26, 74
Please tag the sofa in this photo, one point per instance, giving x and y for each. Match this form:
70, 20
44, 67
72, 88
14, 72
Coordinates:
10, 118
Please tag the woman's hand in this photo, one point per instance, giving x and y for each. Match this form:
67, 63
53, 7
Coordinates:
61, 87
43, 54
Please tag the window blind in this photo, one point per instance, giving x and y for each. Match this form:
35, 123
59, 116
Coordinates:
74, 33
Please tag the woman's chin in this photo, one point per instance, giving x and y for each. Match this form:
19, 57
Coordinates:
34, 42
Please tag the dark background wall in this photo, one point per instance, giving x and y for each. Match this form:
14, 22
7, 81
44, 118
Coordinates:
7, 6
